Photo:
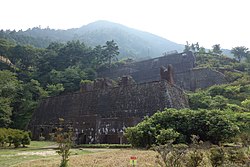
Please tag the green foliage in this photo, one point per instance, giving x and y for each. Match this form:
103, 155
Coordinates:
195, 158
70, 78
55, 89
166, 135
217, 49
217, 156
170, 155
246, 103
210, 125
237, 156
110, 51
9, 87
5, 112
40, 73
14, 136
240, 52
229, 96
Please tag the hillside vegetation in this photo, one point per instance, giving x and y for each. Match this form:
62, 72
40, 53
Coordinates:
30, 73
132, 43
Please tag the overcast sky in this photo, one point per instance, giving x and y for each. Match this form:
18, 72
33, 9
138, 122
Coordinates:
209, 22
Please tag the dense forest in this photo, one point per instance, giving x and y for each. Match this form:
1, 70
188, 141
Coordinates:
132, 43
30, 73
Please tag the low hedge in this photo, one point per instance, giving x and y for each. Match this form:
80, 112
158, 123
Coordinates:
16, 137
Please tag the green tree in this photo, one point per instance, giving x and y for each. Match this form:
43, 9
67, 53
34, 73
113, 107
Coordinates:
70, 78
9, 86
110, 51
240, 52
187, 47
5, 112
55, 89
217, 49
24, 57
26, 102
166, 135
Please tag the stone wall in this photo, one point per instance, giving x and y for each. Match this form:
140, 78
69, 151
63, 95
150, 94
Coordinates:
148, 70
99, 116
199, 78
184, 73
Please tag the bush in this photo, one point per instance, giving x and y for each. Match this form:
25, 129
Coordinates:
166, 135
210, 125
217, 156
246, 104
237, 156
14, 136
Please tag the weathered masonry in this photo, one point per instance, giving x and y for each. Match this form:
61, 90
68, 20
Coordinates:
100, 114
185, 75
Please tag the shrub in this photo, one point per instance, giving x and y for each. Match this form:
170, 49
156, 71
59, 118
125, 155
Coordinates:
14, 136
237, 156
63, 136
246, 104
170, 155
217, 156
195, 158
166, 135
210, 125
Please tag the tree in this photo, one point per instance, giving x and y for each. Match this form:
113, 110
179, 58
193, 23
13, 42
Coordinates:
110, 51
55, 89
5, 112
9, 86
70, 78
240, 52
217, 49
24, 57
187, 47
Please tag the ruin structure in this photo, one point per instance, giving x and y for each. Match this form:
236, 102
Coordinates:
100, 112
185, 74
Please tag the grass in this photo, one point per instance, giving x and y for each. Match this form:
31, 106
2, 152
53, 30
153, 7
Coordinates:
10, 156
37, 150
40, 154
108, 157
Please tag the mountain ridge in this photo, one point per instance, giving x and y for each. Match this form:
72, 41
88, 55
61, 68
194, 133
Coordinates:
133, 43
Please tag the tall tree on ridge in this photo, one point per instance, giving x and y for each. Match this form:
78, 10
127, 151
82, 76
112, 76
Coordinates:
111, 50
240, 52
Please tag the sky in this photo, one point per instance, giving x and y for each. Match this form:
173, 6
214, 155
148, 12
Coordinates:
209, 22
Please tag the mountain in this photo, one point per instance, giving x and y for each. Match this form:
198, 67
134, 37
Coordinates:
132, 43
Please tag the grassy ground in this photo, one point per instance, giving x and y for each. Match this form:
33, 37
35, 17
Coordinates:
41, 154
106, 158
44, 151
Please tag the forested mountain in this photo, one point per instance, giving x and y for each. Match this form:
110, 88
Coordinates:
132, 43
